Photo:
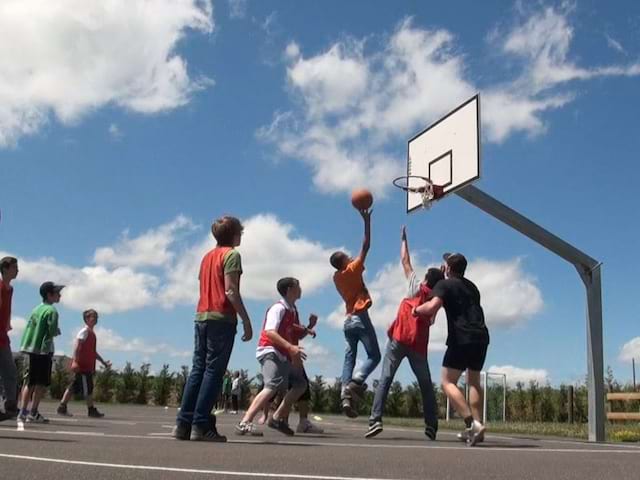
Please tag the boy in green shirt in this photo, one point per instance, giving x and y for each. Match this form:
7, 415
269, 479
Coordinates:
37, 344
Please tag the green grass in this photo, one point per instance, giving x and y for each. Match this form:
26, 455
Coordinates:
616, 432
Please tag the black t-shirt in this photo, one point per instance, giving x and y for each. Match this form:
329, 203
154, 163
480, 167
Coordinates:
465, 318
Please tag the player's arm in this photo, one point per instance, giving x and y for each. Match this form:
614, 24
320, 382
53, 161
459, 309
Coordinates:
428, 309
294, 350
366, 242
232, 290
105, 364
52, 324
405, 259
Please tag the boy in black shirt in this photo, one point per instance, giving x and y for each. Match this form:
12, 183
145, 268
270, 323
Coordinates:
467, 341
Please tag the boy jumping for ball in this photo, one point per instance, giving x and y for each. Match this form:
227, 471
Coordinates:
281, 359
357, 324
83, 365
408, 338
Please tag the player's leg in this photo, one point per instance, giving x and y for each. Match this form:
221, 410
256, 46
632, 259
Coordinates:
367, 336
304, 424
392, 358
420, 367
87, 388
63, 406
9, 377
182, 430
350, 354
298, 387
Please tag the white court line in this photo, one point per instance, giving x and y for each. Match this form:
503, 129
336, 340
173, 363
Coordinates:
531, 449
163, 434
185, 470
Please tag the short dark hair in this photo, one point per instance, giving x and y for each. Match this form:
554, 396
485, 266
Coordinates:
284, 284
88, 312
7, 262
225, 229
433, 276
336, 260
457, 263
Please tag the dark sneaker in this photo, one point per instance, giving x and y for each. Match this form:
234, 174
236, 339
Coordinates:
7, 416
281, 425
94, 413
348, 409
62, 410
206, 434
356, 390
181, 431
247, 428
374, 429
430, 432
37, 418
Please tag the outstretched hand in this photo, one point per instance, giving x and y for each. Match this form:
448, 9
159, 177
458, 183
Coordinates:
366, 214
313, 320
248, 332
403, 233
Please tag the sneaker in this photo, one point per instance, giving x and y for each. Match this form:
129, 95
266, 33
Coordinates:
94, 413
430, 432
348, 409
181, 431
7, 416
247, 428
464, 436
206, 434
62, 410
356, 389
281, 425
37, 418
305, 426
374, 429
475, 434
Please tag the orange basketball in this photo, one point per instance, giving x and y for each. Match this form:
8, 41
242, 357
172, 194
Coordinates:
361, 199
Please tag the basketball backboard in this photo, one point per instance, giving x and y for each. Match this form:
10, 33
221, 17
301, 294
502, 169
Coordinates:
447, 152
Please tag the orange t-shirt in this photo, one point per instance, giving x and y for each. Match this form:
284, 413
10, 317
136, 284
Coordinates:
351, 287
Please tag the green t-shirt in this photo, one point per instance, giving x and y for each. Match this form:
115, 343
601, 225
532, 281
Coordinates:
40, 330
232, 263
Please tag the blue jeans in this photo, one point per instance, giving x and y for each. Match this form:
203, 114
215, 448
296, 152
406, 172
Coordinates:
213, 346
358, 328
393, 356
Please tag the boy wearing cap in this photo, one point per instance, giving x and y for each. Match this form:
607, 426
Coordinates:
37, 343
467, 342
357, 324
8, 371
408, 338
83, 365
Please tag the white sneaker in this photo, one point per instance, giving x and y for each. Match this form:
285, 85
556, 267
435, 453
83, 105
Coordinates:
305, 426
475, 434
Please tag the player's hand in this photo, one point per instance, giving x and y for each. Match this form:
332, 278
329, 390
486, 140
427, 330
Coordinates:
312, 332
366, 214
106, 364
313, 320
58, 332
403, 233
248, 331
297, 353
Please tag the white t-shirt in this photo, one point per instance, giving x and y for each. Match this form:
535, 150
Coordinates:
235, 386
275, 315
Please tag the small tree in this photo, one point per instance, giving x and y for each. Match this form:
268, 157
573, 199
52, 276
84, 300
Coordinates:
60, 378
126, 385
413, 400
143, 384
334, 394
162, 386
181, 381
395, 400
105, 383
318, 398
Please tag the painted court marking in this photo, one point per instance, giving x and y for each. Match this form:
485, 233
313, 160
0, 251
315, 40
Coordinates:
184, 470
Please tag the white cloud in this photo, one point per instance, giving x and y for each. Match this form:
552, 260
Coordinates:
237, 8
354, 107
630, 350
613, 43
18, 324
109, 340
87, 55
152, 248
115, 132
509, 297
524, 375
270, 250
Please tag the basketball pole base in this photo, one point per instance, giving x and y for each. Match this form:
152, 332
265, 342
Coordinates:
589, 271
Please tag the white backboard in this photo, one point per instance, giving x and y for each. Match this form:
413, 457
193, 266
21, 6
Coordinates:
447, 152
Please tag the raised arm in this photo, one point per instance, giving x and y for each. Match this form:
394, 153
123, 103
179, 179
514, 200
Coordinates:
232, 290
405, 259
366, 242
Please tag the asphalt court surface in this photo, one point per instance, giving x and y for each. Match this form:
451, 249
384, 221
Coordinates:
133, 442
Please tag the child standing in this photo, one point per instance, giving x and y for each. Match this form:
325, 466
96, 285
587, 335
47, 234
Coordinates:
235, 392
37, 343
357, 325
83, 365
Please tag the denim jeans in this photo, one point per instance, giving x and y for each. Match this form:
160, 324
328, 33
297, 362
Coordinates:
358, 328
393, 356
8, 375
213, 346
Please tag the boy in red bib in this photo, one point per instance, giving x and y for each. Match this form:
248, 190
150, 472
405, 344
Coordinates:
408, 337
83, 365
281, 359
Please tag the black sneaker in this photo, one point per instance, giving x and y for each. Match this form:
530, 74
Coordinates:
374, 429
181, 431
94, 413
62, 410
348, 409
281, 425
206, 434
430, 432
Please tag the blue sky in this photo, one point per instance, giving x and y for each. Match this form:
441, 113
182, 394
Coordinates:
126, 129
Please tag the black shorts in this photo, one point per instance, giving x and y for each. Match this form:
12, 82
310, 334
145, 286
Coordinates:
462, 357
82, 384
38, 370
306, 396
